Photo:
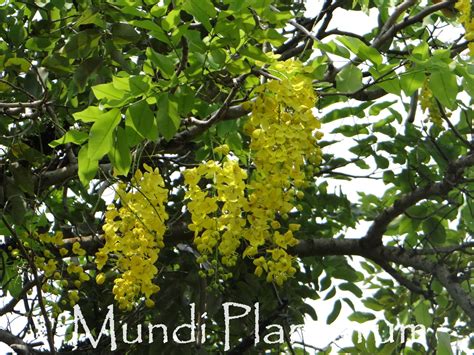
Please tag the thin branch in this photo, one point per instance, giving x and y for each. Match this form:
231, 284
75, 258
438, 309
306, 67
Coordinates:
453, 128
224, 112
393, 18
348, 34
17, 88
390, 32
35, 103
413, 107
14, 301
444, 250
412, 286
384, 254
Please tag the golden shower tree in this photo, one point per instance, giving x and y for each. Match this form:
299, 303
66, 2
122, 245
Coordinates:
172, 156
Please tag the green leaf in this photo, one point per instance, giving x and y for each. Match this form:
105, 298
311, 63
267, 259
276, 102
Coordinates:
255, 53
468, 83
81, 44
120, 153
58, 63
15, 285
421, 52
422, 314
140, 117
22, 177
362, 50
101, 134
386, 78
139, 84
40, 43
90, 16
444, 87
72, 136
202, 10
85, 70
351, 287
17, 34
434, 230
349, 79
87, 167
18, 64
412, 80
167, 116
163, 63
444, 344
335, 312
345, 272
123, 33
336, 114
147, 24
352, 130
90, 114
334, 48
382, 162
361, 317
108, 91
171, 21
377, 108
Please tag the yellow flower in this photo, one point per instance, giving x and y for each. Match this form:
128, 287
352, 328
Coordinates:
100, 278
134, 233
76, 249
222, 149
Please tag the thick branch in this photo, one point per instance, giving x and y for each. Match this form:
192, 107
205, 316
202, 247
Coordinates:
383, 255
379, 226
59, 176
405, 258
394, 17
16, 343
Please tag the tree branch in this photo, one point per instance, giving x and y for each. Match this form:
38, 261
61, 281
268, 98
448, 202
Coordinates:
392, 31
17, 344
379, 226
384, 254
10, 306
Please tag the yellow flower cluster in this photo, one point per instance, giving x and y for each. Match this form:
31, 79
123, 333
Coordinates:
465, 7
428, 102
217, 209
134, 234
230, 207
283, 144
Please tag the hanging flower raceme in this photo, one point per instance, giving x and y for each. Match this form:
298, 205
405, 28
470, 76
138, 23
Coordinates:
283, 135
228, 209
217, 207
428, 102
134, 234
465, 10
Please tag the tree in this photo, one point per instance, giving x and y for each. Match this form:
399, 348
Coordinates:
204, 119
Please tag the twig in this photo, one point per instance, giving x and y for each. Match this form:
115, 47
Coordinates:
413, 107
